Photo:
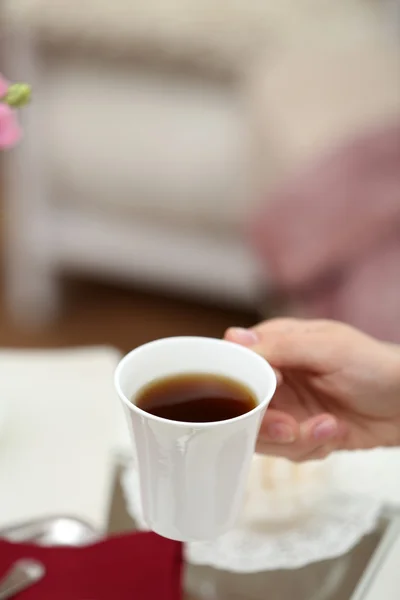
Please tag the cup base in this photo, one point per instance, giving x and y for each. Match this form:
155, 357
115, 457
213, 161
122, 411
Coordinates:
186, 539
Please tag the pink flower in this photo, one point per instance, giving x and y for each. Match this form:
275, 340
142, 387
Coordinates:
10, 132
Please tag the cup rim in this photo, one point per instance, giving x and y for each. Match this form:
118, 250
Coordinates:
185, 424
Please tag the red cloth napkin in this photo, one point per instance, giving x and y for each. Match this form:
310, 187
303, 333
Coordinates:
140, 566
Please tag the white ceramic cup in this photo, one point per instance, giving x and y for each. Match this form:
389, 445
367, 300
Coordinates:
193, 475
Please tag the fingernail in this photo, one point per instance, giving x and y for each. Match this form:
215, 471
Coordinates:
247, 337
325, 429
280, 432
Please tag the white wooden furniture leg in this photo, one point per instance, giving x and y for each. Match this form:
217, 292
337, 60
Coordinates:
31, 285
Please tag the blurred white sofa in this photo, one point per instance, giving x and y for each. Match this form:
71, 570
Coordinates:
127, 172
137, 162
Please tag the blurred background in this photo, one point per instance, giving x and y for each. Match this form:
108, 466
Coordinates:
191, 165
186, 165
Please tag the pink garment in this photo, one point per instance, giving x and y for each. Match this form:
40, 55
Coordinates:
330, 238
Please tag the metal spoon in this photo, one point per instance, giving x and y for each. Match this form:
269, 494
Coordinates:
23, 574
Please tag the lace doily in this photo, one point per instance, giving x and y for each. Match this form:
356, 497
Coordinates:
294, 515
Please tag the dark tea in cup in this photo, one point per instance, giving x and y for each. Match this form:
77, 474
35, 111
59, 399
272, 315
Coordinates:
196, 398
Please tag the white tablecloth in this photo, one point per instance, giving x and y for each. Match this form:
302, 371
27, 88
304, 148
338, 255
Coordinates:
63, 427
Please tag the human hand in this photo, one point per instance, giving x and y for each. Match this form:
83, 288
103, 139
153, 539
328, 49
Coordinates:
339, 389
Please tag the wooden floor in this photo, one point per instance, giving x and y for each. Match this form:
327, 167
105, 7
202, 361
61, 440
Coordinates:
95, 313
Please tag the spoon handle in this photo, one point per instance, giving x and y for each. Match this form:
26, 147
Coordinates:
22, 574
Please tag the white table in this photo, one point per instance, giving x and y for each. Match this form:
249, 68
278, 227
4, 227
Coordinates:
63, 427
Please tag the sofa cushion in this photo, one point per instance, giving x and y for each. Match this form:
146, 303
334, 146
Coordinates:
168, 146
311, 101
